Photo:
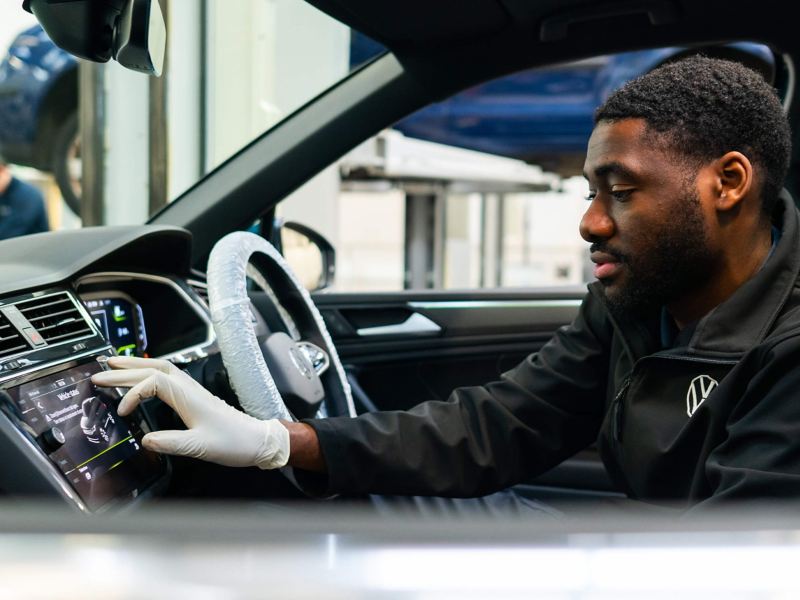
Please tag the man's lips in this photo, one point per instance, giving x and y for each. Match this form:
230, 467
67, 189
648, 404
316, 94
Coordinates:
605, 265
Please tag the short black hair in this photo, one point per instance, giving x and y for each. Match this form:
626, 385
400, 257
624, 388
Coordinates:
704, 107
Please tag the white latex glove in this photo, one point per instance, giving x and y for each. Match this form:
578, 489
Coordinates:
216, 432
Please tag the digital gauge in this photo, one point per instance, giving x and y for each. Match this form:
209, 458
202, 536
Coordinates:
120, 320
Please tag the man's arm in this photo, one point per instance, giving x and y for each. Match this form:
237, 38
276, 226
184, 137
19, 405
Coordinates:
12, 223
304, 449
24, 211
38, 210
481, 439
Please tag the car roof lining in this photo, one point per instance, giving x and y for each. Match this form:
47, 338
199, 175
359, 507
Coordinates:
414, 22
450, 44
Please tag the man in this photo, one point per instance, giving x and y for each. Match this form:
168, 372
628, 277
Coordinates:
21, 206
683, 364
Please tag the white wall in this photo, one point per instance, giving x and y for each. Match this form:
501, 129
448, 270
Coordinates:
126, 146
544, 246
184, 95
265, 60
13, 20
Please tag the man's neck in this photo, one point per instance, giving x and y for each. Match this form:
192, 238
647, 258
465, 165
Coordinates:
736, 269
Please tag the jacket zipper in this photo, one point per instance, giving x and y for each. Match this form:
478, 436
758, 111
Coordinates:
618, 405
617, 408
712, 361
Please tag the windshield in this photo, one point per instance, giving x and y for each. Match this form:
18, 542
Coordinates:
89, 144
230, 75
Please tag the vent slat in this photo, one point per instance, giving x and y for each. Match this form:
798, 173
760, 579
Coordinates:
71, 311
60, 324
13, 343
71, 325
25, 309
56, 338
12, 350
55, 317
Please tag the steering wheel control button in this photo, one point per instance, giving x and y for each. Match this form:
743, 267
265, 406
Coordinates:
301, 362
294, 374
317, 356
51, 440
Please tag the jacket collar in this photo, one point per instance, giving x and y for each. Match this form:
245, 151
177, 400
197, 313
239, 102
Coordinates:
744, 319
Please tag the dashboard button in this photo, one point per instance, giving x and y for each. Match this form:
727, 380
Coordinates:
33, 336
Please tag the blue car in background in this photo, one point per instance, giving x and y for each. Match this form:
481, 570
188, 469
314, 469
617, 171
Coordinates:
39, 110
542, 116
545, 116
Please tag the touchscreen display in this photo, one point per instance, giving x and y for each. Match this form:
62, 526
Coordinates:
121, 323
101, 455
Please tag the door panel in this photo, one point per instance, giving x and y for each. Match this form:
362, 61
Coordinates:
448, 322
401, 349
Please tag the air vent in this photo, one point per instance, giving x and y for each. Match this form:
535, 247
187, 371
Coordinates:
55, 317
11, 342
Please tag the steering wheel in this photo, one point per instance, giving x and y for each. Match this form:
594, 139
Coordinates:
283, 377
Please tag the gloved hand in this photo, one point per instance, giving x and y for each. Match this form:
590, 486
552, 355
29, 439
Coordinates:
216, 432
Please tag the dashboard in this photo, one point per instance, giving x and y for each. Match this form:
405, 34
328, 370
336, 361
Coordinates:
68, 302
149, 315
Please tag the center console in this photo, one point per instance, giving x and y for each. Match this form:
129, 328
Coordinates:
60, 435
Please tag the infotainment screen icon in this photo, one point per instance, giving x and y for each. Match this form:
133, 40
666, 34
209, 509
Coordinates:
99, 453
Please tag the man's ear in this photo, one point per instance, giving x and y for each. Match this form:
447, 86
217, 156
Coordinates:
734, 174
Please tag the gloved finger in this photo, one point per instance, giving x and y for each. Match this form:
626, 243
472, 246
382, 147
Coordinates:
134, 362
124, 378
156, 385
180, 443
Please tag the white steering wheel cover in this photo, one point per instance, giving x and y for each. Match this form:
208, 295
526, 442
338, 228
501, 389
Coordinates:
230, 313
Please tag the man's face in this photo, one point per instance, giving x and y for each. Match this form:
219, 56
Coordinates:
645, 222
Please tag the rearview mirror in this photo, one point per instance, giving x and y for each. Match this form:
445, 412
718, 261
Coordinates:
132, 32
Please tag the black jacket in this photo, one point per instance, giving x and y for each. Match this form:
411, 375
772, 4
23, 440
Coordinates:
716, 418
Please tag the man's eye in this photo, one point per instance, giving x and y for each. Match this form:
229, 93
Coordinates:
621, 195
590, 196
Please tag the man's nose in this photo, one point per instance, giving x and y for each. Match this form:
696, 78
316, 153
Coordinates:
596, 223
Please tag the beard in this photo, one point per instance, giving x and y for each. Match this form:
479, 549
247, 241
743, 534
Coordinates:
677, 259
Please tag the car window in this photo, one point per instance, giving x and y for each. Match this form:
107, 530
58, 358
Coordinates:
233, 71
481, 190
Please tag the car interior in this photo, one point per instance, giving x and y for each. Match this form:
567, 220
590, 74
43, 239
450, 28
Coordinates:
71, 299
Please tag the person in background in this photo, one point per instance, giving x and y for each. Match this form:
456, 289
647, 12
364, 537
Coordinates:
22, 208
